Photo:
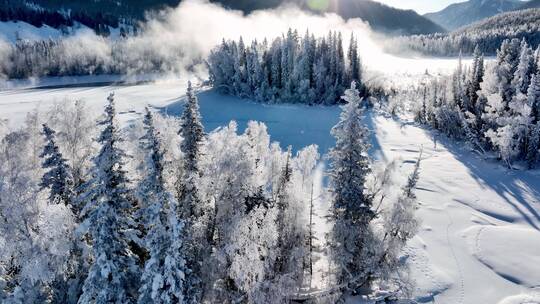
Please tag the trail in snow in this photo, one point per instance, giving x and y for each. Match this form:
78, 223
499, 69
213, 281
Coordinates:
458, 265
322, 226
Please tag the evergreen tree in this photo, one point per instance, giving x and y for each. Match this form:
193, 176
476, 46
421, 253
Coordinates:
112, 277
507, 63
285, 243
525, 68
355, 69
533, 96
191, 209
533, 145
192, 132
351, 238
476, 78
165, 272
57, 179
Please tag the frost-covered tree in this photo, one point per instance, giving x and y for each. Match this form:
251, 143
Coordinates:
75, 129
525, 68
164, 274
192, 209
399, 225
290, 249
112, 277
290, 69
191, 131
507, 64
351, 237
533, 100
475, 79
533, 146
38, 233
355, 69
533, 96
58, 181
57, 178
494, 106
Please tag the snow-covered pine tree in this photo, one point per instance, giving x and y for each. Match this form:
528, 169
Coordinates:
533, 145
112, 277
476, 77
165, 272
459, 95
192, 132
351, 237
58, 181
57, 178
191, 208
288, 238
533, 100
355, 69
533, 96
507, 63
525, 68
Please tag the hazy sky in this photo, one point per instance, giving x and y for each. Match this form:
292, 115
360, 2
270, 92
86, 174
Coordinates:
421, 6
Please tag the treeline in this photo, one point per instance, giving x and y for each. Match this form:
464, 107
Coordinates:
288, 69
488, 35
38, 16
496, 107
196, 218
83, 55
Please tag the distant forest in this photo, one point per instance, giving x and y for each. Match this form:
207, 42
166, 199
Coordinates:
39, 16
488, 35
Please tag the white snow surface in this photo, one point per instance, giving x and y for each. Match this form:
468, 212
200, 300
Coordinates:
479, 240
11, 31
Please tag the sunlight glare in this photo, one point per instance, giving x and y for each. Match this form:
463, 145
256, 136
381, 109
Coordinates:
318, 5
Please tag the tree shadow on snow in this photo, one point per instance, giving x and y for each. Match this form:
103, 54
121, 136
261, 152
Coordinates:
519, 189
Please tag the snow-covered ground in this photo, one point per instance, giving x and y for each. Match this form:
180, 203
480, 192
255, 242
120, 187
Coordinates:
479, 241
11, 31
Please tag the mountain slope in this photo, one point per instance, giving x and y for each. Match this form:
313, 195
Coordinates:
381, 17
385, 18
530, 4
488, 34
461, 14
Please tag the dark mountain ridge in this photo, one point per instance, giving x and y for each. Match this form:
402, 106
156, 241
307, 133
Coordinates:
461, 14
381, 17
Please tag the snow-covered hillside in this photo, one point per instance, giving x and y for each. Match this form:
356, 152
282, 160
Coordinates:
479, 238
11, 31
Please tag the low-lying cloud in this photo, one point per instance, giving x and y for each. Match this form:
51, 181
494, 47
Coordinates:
176, 39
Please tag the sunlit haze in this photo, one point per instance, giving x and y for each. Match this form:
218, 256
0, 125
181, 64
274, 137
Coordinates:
420, 6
